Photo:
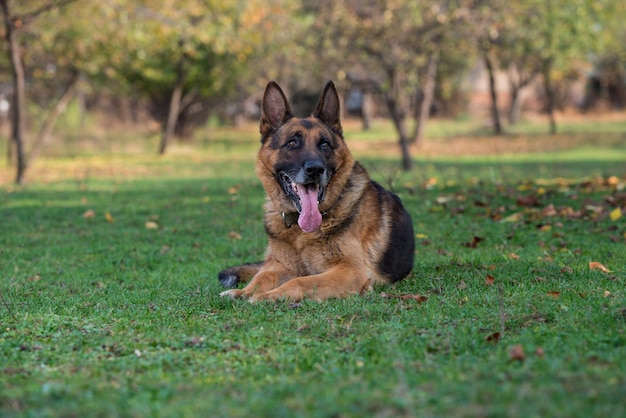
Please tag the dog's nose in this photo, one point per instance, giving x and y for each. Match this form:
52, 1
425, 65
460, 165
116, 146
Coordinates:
314, 168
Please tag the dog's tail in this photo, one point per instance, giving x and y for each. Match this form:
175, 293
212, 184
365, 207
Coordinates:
232, 276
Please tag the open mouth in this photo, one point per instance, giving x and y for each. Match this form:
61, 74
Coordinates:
301, 192
306, 199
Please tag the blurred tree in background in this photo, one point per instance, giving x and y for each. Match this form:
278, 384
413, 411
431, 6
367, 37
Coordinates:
179, 62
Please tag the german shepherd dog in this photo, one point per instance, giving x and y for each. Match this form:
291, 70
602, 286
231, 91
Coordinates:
332, 231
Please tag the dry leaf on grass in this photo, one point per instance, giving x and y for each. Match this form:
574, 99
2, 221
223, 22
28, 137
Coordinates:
474, 242
615, 214
234, 235
415, 297
489, 280
594, 265
516, 353
89, 214
152, 225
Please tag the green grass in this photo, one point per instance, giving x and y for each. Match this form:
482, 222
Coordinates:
117, 318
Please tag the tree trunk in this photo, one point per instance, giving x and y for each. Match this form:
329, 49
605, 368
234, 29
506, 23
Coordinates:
52, 117
398, 113
550, 96
518, 97
399, 122
19, 92
174, 111
367, 110
518, 83
495, 113
428, 93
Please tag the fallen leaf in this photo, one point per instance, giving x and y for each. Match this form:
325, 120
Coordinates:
516, 353
442, 200
474, 242
539, 352
567, 270
513, 256
615, 214
415, 297
607, 293
89, 214
554, 294
493, 338
612, 181
109, 217
234, 235
421, 236
549, 211
516, 217
430, 183
152, 225
194, 341
527, 201
490, 280
594, 265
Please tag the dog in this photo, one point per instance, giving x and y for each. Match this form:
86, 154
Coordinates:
332, 231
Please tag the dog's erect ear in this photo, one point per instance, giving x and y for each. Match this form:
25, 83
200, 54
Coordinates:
328, 108
275, 109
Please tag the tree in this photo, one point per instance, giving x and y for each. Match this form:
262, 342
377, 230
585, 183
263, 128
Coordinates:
396, 48
184, 55
13, 24
543, 39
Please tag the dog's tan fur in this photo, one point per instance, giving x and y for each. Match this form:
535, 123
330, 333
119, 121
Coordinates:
365, 236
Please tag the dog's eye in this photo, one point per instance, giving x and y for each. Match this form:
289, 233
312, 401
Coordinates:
294, 141
325, 145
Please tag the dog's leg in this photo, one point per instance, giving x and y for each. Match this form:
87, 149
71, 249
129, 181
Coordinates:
270, 276
339, 281
231, 277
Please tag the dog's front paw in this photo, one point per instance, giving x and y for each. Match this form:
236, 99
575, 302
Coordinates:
233, 293
274, 296
263, 297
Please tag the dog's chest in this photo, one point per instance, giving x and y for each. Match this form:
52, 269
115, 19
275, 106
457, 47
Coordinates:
307, 254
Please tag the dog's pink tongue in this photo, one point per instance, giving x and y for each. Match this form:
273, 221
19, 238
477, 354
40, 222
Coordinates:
310, 217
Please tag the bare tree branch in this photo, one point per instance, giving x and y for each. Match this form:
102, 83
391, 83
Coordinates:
25, 18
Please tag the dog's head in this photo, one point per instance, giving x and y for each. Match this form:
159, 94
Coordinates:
300, 156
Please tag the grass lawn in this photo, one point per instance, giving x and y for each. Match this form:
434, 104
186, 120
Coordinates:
109, 300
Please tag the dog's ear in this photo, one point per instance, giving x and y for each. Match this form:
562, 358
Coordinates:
275, 109
328, 108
